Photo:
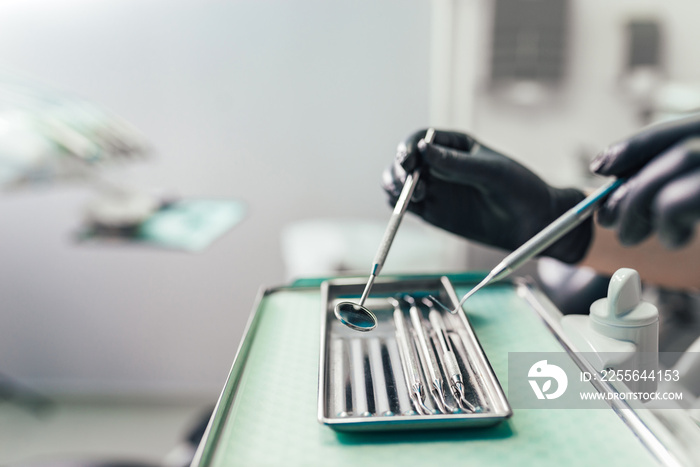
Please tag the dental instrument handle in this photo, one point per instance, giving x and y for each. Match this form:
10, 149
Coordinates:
547, 236
557, 229
395, 221
409, 361
429, 359
400, 207
430, 362
390, 232
439, 327
368, 287
411, 366
448, 356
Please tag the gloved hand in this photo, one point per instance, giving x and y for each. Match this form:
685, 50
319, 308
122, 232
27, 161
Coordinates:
663, 191
478, 193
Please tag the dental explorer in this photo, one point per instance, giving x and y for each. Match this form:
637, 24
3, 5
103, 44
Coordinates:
547, 236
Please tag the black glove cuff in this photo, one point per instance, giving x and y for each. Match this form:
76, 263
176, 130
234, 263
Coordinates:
572, 247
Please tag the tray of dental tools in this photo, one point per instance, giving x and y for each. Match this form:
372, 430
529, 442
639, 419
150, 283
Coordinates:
422, 367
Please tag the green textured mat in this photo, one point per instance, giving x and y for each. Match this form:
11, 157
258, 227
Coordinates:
272, 420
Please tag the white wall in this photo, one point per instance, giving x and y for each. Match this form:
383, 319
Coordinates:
591, 110
293, 106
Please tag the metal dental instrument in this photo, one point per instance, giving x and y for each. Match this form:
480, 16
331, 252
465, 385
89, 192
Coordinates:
431, 364
460, 341
355, 315
460, 349
550, 234
449, 359
408, 360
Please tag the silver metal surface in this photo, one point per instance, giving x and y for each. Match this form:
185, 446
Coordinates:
338, 371
395, 377
381, 397
360, 405
368, 287
400, 390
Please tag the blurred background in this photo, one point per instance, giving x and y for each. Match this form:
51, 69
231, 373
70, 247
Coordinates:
293, 108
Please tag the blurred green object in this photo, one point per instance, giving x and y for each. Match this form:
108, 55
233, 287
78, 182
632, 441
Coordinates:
47, 134
188, 225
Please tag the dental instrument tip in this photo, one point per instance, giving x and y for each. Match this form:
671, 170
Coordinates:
478, 287
438, 302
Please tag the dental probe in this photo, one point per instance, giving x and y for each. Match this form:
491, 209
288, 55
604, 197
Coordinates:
550, 234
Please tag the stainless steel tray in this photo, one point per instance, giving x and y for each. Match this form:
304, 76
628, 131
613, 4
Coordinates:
362, 377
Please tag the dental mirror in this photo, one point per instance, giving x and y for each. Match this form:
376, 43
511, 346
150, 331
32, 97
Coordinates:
355, 316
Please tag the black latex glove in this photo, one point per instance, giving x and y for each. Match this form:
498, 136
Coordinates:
663, 191
473, 191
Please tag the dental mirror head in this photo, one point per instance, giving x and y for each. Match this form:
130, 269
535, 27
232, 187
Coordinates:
355, 316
